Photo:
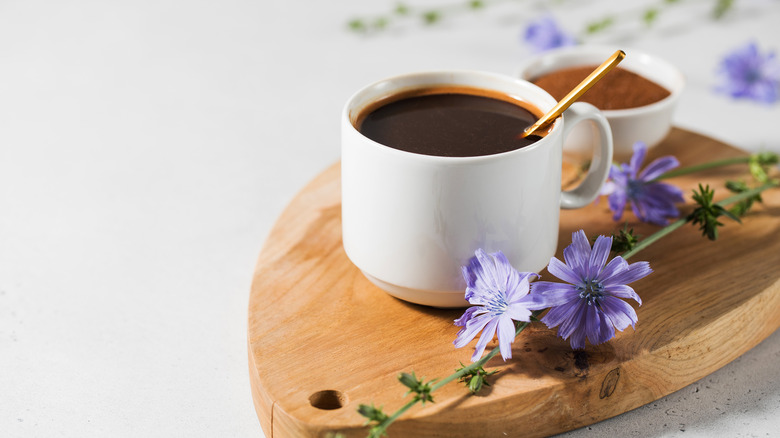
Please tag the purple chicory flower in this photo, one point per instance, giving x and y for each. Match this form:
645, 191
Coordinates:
500, 295
748, 74
651, 201
544, 34
589, 304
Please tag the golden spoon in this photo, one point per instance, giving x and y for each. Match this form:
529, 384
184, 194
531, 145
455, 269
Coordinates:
576, 93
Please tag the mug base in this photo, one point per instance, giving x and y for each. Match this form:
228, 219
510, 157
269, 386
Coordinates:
433, 298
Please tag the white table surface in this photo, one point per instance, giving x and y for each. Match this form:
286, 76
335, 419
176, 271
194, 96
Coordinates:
147, 147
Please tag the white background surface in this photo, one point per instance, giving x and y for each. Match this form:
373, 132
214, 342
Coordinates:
147, 147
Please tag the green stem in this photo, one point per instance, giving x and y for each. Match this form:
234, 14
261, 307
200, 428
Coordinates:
703, 166
680, 222
747, 194
654, 237
456, 375
384, 425
477, 364
465, 370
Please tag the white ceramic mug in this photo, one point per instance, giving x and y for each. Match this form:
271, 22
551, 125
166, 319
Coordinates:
410, 221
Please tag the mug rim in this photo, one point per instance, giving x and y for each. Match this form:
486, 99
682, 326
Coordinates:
542, 100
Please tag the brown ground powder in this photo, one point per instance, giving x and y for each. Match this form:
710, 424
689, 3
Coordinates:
619, 89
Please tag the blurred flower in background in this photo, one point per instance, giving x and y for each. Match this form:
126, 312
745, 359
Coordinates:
544, 34
746, 73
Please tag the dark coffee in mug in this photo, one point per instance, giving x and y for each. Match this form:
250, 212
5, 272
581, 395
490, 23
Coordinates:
449, 121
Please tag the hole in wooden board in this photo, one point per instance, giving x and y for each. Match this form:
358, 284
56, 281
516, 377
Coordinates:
328, 399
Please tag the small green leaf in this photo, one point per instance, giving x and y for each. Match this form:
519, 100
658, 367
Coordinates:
381, 23
357, 25
475, 384
766, 158
743, 207
372, 413
476, 378
375, 417
707, 213
721, 7
422, 390
759, 165
431, 17
598, 26
625, 240
476, 4
408, 380
650, 16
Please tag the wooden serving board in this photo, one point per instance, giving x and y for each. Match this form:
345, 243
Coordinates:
322, 339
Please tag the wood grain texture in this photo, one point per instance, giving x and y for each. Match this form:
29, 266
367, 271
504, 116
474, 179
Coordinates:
322, 336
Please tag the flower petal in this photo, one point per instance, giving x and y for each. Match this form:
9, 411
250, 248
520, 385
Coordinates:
514, 285
549, 294
563, 271
640, 150
519, 311
487, 335
599, 256
577, 254
575, 322
544, 34
520, 288
620, 313
608, 188
658, 167
467, 315
506, 274
592, 322
469, 272
602, 330
634, 272
576, 339
639, 208
470, 330
617, 203
488, 269
563, 312
481, 278
623, 291
617, 264
506, 335
661, 194
656, 203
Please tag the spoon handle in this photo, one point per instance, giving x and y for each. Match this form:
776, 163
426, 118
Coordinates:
577, 92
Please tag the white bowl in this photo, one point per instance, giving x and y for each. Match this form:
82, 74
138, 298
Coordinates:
649, 124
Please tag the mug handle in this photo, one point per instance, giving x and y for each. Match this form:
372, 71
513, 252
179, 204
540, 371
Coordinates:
590, 187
